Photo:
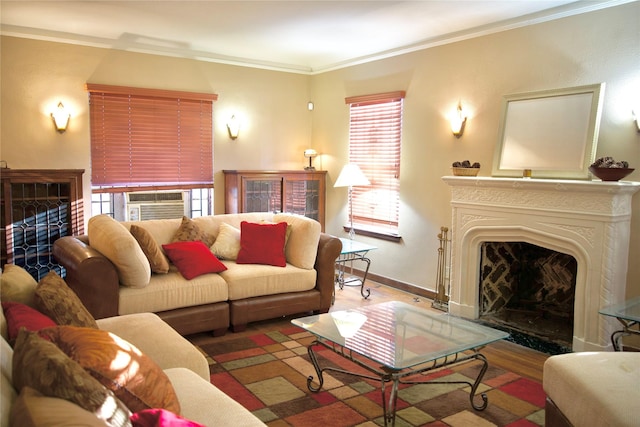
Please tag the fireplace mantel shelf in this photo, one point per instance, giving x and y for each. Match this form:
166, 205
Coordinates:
545, 184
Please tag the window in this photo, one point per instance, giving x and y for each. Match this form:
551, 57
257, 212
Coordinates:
150, 139
375, 135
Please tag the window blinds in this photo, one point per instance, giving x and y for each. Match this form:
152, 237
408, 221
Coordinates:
375, 135
148, 138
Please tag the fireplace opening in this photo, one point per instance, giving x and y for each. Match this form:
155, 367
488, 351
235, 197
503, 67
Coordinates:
529, 291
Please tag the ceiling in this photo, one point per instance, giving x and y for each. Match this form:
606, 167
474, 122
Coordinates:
295, 36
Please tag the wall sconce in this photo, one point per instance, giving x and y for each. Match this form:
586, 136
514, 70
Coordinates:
458, 121
636, 116
60, 118
233, 127
310, 153
310, 106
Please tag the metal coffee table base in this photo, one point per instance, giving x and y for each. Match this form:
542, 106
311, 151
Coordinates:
395, 377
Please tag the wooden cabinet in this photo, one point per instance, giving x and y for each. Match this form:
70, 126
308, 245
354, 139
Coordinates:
299, 192
38, 206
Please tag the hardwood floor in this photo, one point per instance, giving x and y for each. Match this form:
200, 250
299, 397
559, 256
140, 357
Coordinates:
512, 357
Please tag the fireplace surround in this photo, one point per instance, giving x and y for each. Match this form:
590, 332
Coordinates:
588, 220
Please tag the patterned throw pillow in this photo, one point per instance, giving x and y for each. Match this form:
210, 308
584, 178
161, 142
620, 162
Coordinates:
227, 244
41, 365
157, 260
133, 377
55, 299
189, 231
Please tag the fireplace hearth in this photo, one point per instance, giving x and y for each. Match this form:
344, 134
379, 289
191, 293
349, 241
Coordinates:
587, 220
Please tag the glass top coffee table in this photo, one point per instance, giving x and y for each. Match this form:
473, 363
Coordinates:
628, 314
396, 342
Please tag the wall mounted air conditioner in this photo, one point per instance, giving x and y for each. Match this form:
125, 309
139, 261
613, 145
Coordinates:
142, 206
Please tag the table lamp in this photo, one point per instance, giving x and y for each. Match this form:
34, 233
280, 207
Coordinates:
351, 175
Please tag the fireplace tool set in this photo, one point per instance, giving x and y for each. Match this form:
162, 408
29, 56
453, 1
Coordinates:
441, 301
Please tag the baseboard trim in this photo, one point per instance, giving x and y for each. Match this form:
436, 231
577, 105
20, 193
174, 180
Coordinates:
396, 284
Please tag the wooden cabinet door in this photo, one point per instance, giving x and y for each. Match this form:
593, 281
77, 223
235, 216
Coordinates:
38, 207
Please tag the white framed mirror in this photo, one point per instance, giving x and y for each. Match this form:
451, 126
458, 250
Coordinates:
552, 133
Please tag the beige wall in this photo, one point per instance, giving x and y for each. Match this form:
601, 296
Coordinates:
597, 47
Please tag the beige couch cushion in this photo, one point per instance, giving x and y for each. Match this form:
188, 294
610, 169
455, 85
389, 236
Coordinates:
171, 290
8, 394
114, 241
595, 388
204, 403
252, 280
153, 337
302, 245
33, 409
17, 285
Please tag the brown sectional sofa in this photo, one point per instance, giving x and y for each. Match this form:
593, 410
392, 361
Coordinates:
242, 294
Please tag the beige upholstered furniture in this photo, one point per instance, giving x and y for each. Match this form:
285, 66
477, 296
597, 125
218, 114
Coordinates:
184, 365
110, 274
592, 389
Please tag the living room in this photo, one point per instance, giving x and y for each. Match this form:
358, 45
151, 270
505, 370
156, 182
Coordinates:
600, 46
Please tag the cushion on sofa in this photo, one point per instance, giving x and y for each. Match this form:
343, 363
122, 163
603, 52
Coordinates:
17, 285
22, 316
169, 291
253, 280
595, 388
115, 242
190, 231
227, 244
41, 365
33, 409
157, 259
193, 259
262, 243
302, 245
133, 377
58, 301
154, 337
196, 395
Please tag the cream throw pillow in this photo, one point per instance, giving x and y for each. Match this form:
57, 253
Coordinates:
227, 244
16, 285
115, 242
302, 245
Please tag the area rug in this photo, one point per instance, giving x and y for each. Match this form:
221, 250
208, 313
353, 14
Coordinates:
267, 373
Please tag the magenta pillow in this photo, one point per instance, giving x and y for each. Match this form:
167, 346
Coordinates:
160, 418
22, 316
193, 258
262, 244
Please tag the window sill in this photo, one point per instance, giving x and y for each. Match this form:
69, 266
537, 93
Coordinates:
376, 233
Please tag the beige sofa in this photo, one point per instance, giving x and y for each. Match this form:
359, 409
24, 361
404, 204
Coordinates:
110, 273
183, 364
592, 389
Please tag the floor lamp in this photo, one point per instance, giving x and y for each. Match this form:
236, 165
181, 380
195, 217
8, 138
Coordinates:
351, 175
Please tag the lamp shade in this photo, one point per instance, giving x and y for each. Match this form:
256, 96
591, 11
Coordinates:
351, 175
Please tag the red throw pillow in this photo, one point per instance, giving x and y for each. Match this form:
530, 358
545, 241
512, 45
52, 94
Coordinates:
262, 244
22, 316
160, 418
193, 259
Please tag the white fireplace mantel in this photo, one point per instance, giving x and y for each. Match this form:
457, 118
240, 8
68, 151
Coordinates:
589, 220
